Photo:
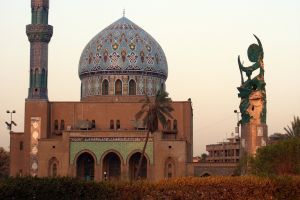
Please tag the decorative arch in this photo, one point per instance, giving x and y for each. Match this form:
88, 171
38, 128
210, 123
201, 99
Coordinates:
137, 151
132, 87
133, 160
175, 125
205, 174
118, 87
53, 166
170, 168
105, 87
85, 151
35, 77
112, 162
168, 124
85, 166
112, 151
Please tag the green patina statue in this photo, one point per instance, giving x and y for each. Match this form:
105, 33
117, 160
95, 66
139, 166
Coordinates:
252, 91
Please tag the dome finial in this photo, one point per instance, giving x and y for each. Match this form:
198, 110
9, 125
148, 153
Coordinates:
124, 12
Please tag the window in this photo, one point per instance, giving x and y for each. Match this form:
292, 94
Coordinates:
118, 87
62, 124
43, 79
21, 146
93, 123
54, 170
132, 87
169, 168
105, 87
169, 124
112, 124
35, 80
56, 125
175, 124
53, 167
118, 125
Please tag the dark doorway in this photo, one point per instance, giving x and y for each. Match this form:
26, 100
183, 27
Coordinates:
111, 167
133, 164
205, 175
85, 167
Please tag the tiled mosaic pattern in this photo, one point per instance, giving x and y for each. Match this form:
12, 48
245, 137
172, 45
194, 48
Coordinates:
92, 86
98, 148
123, 48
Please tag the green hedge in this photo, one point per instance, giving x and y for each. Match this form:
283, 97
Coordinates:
180, 188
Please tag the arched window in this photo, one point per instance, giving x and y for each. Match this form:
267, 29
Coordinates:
112, 124
133, 165
43, 79
118, 87
111, 167
93, 123
105, 87
85, 167
132, 87
169, 124
62, 124
175, 124
169, 168
21, 146
53, 167
56, 125
118, 124
54, 170
35, 77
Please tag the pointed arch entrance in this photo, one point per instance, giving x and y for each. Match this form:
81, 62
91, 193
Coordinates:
85, 167
111, 167
133, 165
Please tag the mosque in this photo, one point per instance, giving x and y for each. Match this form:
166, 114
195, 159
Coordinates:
98, 137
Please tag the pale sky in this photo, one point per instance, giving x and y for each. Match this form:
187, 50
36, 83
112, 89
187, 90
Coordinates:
201, 40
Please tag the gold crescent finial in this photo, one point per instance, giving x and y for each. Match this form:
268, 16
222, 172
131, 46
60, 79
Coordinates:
123, 12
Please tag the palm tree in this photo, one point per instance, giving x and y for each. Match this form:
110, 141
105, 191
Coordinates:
293, 131
153, 111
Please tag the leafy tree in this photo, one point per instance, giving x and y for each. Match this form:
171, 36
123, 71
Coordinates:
154, 111
4, 163
281, 158
293, 131
203, 157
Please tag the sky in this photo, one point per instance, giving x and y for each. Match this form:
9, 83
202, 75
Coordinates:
201, 39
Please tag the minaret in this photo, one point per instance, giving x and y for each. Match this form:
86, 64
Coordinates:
39, 33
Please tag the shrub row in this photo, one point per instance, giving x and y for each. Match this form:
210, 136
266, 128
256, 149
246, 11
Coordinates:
180, 188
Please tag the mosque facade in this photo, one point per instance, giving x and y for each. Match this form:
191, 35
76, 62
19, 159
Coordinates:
98, 137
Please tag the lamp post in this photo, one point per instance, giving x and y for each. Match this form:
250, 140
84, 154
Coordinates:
237, 130
12, 123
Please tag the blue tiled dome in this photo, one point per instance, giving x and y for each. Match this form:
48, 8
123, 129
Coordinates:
123, 48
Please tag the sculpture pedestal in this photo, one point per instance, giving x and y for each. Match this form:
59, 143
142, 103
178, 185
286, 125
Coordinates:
253, 136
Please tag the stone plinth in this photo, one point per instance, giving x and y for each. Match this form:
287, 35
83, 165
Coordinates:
253, 136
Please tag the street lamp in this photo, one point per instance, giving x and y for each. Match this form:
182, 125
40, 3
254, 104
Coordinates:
12, 123
237, 128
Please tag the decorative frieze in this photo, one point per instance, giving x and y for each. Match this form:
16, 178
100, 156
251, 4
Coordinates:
39, 33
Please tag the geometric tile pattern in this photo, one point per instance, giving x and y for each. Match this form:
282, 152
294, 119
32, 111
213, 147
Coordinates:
92, 85
123, 48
